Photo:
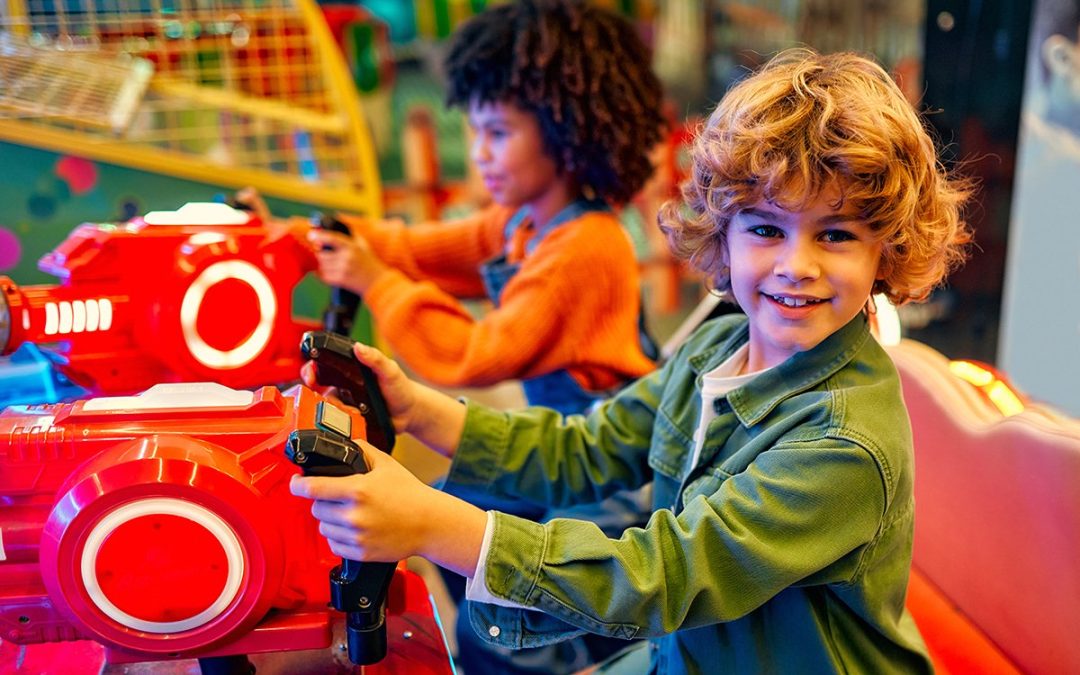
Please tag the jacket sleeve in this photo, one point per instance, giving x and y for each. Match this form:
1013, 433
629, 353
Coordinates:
801, 513
540, 456
577, 288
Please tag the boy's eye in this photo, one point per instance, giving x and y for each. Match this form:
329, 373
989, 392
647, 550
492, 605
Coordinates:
837, 236
765, 230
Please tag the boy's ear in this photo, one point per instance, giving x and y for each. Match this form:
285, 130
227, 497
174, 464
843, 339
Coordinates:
883, 268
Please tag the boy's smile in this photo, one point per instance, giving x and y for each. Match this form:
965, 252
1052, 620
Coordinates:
799, 275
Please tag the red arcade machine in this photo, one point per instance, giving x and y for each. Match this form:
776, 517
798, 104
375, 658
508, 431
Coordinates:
200, 294
161, 526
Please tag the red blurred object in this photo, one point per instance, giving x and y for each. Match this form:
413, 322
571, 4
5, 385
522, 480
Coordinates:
416, 647
199, 294
161, 526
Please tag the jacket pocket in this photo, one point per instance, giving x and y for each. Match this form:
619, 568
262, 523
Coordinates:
668, 454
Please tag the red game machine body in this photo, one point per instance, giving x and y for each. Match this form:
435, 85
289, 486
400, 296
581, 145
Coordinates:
201, 294
161, 526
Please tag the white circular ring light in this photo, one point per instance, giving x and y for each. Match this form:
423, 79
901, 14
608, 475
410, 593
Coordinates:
234, 557
245, 352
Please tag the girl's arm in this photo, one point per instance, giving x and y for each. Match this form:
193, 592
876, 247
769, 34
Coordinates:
574, 301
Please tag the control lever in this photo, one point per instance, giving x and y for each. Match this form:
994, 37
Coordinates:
341, 313
358, 589
357, 385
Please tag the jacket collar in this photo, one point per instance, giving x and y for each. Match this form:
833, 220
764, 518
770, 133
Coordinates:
757, 398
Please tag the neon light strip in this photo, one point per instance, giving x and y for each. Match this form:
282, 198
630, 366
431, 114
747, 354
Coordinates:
52, 318
91, 316
65, 318
105, 307
78, 316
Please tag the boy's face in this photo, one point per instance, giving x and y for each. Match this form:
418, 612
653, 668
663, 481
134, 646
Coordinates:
799, 275
509, 153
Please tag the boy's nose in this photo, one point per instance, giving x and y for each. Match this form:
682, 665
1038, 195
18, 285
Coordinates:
797, 262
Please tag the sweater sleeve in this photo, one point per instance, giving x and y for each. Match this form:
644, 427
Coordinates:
578, 291
447, 254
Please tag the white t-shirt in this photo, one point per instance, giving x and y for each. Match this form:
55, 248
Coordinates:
715, 383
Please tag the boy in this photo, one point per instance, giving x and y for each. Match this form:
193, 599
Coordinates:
777, 440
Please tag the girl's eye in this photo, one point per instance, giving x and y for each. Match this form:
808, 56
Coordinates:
837, 236
765, 231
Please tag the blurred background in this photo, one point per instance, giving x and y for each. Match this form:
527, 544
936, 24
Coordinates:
247, 92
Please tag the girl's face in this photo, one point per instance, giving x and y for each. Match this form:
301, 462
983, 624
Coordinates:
509, 153
799, 275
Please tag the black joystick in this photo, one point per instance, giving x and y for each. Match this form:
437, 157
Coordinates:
357, 588
341, 313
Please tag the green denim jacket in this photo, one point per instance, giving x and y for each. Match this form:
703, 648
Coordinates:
786, 548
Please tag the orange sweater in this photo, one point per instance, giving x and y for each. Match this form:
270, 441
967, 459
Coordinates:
574, 304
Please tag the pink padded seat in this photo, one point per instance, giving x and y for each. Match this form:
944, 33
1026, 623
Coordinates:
997, 528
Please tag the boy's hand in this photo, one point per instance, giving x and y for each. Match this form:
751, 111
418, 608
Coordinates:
344, 261
397, 389
388, 514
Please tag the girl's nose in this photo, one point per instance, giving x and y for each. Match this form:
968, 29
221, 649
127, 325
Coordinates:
479, 150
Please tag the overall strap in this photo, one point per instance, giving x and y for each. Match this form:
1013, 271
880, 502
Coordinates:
571, 211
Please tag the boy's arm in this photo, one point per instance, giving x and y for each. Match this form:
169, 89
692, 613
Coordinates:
387, 514
538, 455
759, 533
434, 418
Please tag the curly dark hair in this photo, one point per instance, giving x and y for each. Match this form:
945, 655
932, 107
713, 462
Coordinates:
585, 74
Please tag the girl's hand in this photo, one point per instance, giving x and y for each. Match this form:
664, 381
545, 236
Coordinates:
251, 198
346, 261
388, 514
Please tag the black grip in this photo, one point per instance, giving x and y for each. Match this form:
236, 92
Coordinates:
357, 385
340, 315
357, 588
323, 453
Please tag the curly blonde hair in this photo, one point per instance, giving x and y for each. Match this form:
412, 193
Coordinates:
806, 121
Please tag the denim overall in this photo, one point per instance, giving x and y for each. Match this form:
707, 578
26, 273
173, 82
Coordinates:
557, 390
560, 391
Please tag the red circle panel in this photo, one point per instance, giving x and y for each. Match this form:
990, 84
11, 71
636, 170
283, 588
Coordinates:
228, 315
161, 568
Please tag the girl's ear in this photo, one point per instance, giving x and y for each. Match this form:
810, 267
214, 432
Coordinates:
1057, 53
